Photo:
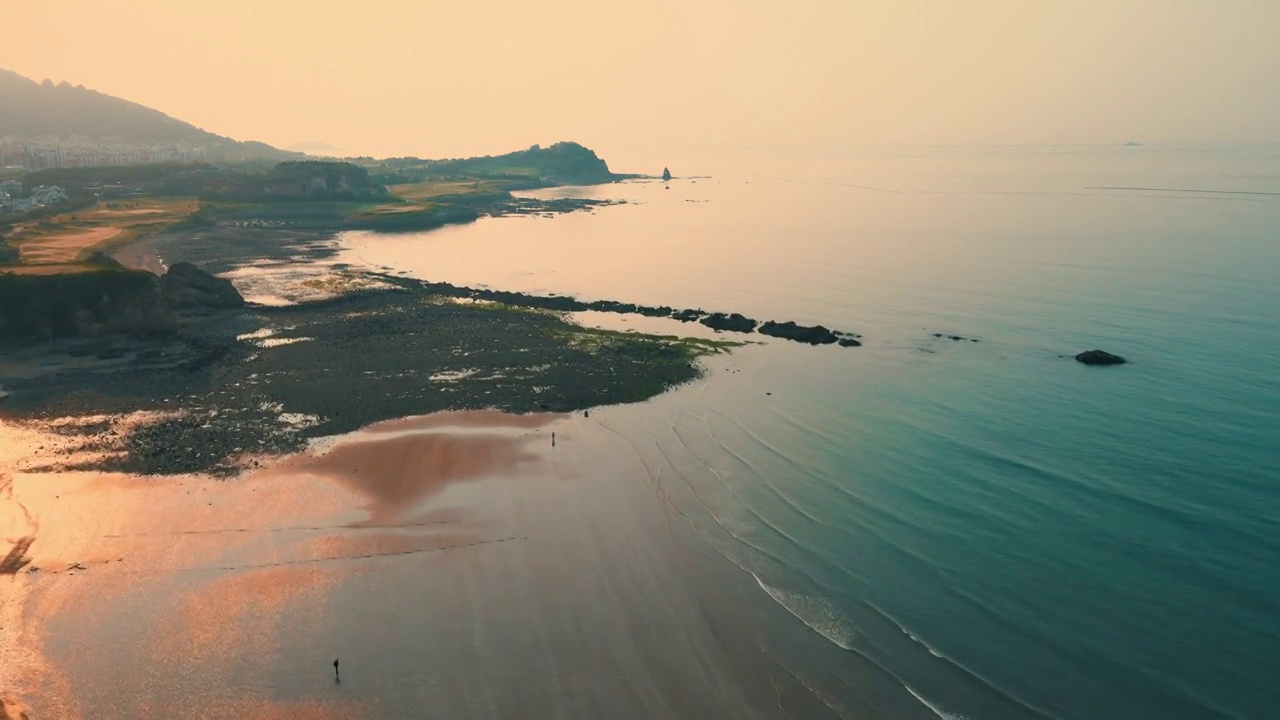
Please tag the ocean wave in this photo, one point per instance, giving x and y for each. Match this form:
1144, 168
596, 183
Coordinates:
936, 710
816, 613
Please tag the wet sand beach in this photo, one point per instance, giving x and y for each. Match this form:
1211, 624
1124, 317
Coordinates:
457, 564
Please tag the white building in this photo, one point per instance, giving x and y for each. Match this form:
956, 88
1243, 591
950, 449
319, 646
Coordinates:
48, 195
40, 197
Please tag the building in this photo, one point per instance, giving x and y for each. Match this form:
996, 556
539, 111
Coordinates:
48, 195
42, 196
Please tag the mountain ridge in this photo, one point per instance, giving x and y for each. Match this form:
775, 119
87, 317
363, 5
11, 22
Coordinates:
32, 111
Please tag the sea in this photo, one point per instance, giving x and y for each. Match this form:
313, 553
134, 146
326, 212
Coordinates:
1000, 529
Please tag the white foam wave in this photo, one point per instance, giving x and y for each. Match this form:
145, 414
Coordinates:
816, 613
924, 644
936, 710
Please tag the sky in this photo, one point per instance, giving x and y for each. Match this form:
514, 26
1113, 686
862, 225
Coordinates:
398, 77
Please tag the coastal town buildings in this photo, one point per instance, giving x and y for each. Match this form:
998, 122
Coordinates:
11, 202
48, 153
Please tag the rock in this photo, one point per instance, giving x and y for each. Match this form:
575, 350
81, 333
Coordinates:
849, 342
186, 285
87, 304
666, 174
1099, 357
732, 323
8, 254
687, 315
816, 335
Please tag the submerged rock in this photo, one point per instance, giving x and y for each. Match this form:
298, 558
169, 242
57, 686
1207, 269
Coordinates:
186, 285
1099, 357
687, 315
849, 342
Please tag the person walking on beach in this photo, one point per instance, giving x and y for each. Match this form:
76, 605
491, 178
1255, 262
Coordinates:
553, 439
336, 676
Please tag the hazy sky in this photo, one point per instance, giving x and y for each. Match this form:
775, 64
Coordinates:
447, 78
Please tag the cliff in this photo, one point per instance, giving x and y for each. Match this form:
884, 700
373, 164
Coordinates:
105, 301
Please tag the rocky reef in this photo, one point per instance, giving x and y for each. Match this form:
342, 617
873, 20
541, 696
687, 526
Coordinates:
726, 322
732, 322
815, 335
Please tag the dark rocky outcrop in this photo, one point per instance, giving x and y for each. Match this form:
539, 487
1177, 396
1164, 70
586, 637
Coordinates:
666, 173
815, 335
99, 302
687, 315
849, 342
186, 285
107, 299
8, 254
1099, 357
733, 322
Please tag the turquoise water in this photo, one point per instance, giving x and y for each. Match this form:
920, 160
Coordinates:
1005, 531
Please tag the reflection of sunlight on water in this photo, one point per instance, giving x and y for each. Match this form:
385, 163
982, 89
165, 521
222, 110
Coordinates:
263, 337
277, 342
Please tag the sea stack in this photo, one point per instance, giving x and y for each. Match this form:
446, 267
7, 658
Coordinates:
666, 174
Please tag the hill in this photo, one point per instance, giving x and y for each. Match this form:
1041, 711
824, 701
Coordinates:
31, 111
564, 163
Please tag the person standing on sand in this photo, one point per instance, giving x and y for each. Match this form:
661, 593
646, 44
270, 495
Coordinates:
553, 439
336, 677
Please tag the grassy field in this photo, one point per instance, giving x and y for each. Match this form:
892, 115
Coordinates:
432, 190
63, 242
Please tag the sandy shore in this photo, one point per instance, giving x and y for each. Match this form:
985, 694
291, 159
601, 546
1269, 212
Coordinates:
459, 566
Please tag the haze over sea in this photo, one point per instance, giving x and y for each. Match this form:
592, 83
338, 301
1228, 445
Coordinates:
984, 520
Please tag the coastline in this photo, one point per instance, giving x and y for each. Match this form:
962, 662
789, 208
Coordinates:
750, 649
457, 561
